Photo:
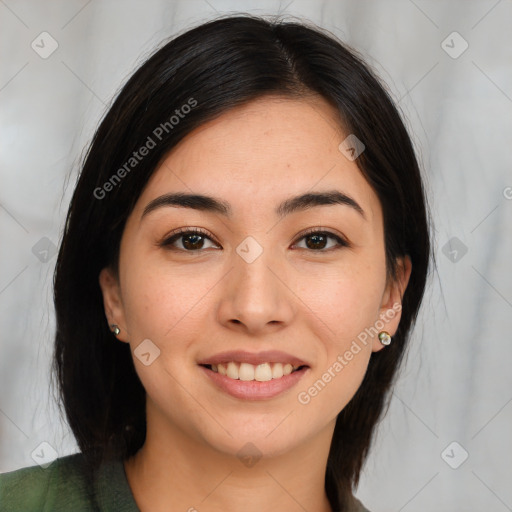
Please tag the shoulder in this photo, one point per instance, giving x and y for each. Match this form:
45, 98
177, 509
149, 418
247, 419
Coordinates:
60, 486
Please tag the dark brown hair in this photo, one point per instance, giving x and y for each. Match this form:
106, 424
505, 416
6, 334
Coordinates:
222, 64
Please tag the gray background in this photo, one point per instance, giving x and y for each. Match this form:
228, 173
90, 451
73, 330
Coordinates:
456, 385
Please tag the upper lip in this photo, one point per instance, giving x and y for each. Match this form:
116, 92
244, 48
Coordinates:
241, 356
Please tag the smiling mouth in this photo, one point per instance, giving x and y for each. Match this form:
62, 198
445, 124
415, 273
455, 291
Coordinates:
248, 372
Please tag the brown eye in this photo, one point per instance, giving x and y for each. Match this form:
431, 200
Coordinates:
191, 240
318, 241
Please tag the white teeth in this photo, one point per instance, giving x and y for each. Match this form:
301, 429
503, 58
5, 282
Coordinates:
277, 371
263, 373
247, 372
232, 371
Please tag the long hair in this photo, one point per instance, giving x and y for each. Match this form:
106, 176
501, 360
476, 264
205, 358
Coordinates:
214, 67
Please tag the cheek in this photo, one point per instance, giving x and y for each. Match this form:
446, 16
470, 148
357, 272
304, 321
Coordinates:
169, 309
158, 302
344, 305
154, 302
346, 301
332, 387
343, 310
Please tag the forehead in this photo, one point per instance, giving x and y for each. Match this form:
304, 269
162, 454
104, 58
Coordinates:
259, 153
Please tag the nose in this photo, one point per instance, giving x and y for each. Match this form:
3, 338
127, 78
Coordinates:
256, 297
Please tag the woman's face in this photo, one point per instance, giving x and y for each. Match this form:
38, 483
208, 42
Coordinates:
254, 280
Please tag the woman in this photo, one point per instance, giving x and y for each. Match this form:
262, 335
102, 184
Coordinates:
244, 256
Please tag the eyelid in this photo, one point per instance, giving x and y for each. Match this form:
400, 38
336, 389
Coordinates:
342, 241
165, 241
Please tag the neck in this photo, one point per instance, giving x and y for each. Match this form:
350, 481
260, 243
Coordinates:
173, 471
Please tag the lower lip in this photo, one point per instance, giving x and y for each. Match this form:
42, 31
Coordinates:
253, 389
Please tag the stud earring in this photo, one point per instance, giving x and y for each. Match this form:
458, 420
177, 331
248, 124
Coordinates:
115, 329
384, 338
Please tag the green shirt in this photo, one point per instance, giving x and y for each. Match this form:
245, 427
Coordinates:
61, 487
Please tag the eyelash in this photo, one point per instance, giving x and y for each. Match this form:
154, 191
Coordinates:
168, 241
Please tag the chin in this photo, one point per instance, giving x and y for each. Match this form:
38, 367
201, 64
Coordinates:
250, 448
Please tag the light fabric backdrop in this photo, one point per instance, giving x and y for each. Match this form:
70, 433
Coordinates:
457, 101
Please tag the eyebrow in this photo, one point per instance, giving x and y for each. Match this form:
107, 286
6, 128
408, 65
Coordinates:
290, 205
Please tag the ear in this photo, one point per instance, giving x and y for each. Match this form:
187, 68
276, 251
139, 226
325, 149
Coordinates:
391, 307
114, 310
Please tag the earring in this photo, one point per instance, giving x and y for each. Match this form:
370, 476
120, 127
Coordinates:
384, 338
115, 329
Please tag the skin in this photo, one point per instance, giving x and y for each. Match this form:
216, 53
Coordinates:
311, 303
